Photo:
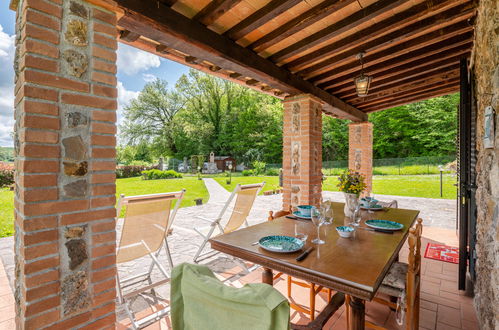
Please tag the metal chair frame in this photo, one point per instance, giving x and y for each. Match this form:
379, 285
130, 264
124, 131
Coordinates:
129, 281
216, 223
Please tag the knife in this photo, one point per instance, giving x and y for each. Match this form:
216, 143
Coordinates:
378, 230
291, 217
304, 254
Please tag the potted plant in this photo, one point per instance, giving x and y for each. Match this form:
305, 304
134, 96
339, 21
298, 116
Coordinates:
351, 184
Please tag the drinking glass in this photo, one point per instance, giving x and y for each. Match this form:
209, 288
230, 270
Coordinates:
301, 236
327, 210
317, 220
357, 216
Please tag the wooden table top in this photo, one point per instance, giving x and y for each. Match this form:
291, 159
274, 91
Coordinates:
355, 266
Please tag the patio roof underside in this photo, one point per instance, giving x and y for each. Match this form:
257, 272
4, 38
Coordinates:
284, 47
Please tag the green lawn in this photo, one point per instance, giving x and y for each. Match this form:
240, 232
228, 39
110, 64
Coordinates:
131, 186
271, 182
6, 212
407, 185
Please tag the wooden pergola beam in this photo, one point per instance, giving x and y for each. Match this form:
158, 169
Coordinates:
271, 10
438, 70
349, 71
412, 99
406, 90
404, 25
211, 12
174, 30
427, 25
299, 23
400, 49
350, 22
408, 66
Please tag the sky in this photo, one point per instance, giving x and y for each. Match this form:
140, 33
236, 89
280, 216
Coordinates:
135, 69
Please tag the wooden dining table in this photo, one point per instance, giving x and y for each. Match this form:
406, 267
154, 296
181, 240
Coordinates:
352, 266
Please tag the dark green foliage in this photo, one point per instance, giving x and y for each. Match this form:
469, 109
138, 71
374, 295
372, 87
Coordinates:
426, 128
155, 174
129, 171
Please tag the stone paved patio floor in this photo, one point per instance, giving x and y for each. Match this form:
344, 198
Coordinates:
443, 307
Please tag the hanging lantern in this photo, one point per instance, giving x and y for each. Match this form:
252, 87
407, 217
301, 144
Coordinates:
363, 81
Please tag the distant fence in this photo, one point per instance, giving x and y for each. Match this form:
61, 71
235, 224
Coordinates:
390, 166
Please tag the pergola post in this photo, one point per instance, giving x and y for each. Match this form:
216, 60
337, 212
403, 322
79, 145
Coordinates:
65, 111
360, 152
302, 151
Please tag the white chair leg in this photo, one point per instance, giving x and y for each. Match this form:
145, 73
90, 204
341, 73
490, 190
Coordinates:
168, 254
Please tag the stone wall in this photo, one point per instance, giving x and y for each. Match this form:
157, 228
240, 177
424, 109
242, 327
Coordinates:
360, 150
65, 110
302, 151
485, 64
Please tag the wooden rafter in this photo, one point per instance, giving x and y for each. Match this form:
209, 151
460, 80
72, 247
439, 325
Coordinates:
350, 22
260, 17
172, 29
403, 48
211, 12
437, 69
407, 100
299, 23
406, 66
407, 89
401, 26
347, 72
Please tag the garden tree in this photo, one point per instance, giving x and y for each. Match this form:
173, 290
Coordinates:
150, 118
426, 128
334, 138
228, 119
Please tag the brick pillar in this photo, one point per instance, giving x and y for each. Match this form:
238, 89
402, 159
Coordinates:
65, 111
302, 151
360, 153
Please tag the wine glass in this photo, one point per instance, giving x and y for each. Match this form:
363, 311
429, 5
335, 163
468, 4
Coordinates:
317, 220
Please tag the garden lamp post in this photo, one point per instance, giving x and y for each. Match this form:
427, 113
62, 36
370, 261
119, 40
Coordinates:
199, 172
230, 173
441, 169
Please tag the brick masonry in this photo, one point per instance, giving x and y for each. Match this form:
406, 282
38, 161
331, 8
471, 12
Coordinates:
65, 111
360, 152
302, 151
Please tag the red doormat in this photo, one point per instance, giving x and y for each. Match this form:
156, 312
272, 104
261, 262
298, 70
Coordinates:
442, 252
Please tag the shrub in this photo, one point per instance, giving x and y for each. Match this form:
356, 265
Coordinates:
129, 171
272, 172
155, 174
258, 167
6, 174
247, 172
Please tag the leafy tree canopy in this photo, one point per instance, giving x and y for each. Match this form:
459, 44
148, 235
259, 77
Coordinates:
203, 113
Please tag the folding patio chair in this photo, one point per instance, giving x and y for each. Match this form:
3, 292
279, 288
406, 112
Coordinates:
146, 224
246, 195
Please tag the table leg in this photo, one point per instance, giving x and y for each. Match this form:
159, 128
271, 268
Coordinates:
357, 314
267, 276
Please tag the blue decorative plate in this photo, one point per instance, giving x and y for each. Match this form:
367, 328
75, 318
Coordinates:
282, 244
372, 208
301, 216
384, 224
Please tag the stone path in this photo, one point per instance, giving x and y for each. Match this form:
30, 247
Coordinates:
217, 193
437, 213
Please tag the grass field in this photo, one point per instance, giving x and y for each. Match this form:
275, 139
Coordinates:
404, 185
131, 186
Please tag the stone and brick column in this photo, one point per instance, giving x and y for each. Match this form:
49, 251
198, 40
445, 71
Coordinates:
360, 153
65, 111
302, 151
